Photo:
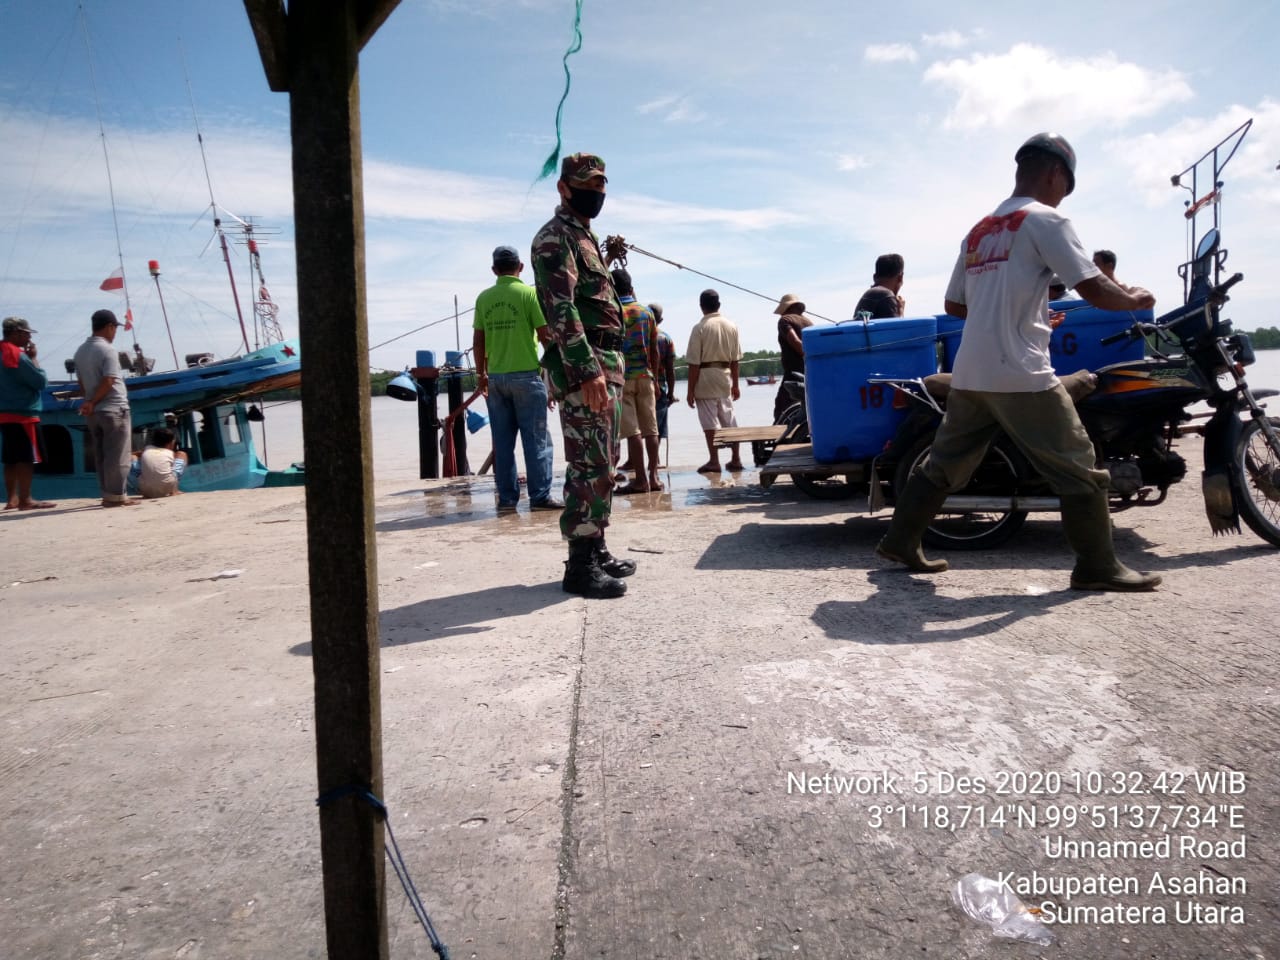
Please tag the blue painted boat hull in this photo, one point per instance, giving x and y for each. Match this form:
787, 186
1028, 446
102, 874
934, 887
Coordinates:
204, 405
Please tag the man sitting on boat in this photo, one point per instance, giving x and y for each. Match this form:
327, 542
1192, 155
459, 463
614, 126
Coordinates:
157, 471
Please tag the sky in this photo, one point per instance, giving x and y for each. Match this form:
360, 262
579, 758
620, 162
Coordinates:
778, 147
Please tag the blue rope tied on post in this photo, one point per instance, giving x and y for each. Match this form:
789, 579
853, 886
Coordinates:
395, 856
553, 161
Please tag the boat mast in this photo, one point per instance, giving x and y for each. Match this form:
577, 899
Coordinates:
111, 190
265, 311
213, 205
154, 267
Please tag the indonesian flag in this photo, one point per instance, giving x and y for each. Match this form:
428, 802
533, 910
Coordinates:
128, 319
113, 282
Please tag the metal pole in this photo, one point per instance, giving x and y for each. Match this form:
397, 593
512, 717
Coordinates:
154, 267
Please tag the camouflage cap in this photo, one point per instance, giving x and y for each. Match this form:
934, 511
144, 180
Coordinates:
581, 167
15, 325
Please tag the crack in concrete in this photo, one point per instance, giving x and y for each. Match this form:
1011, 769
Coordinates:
568, 789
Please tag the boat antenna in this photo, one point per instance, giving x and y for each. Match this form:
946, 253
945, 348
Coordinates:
213, 204
111, 190
266, 312
154, 267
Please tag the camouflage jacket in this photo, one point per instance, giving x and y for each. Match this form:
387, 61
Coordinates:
576, 293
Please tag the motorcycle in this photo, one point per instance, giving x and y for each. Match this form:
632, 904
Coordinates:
1135, 414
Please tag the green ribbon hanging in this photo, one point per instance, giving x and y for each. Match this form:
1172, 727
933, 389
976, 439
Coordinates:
553, 161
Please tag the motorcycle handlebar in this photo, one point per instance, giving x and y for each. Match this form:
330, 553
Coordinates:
1221, 289
1130, 334
1217, 295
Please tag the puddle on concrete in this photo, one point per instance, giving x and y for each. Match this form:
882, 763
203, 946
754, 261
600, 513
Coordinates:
475, 498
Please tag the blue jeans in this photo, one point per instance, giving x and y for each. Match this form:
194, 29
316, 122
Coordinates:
518, 402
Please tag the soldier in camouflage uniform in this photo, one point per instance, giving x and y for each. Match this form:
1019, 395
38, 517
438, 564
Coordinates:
585, 366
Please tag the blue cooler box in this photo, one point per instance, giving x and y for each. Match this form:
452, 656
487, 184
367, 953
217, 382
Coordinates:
849, 418
1074, 345
949, 330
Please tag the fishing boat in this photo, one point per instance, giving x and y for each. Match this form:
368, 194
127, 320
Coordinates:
206, 404
761, 380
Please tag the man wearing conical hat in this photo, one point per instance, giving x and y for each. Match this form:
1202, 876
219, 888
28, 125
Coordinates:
791, 324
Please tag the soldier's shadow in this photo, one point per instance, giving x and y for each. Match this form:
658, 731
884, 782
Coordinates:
907, 608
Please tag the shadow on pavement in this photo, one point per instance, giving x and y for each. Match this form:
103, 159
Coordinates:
850, 541
907, 608
459, 614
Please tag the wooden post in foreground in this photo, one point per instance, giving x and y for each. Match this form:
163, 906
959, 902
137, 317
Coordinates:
312, 51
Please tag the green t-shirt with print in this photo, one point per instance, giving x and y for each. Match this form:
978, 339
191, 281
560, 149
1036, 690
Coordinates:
508, 313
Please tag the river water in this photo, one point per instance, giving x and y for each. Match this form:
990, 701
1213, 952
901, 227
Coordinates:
395, 427
395, 432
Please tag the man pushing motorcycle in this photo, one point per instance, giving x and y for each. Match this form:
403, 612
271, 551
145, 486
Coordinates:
1003, 379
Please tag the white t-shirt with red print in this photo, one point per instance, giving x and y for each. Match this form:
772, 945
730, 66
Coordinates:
1002, 275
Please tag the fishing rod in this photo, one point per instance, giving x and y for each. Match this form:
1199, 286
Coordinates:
616, 251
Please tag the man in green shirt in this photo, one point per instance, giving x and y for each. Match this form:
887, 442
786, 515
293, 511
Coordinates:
508, 325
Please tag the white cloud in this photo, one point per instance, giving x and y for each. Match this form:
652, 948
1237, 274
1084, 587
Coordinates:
947, 40
849, 162
1151, 158
890, 53
675, 108
1031, 86
661, 103
650, 212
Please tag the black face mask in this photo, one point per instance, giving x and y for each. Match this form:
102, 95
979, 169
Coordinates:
585, 203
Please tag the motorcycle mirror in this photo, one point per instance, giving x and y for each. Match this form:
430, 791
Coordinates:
1205, 250
1208, 243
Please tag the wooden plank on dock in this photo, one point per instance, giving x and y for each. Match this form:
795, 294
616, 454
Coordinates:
771, 434
798, 458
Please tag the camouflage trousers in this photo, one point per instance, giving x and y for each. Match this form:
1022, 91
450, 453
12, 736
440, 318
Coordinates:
590, 451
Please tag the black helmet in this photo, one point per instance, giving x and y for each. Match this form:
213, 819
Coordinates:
1056, 145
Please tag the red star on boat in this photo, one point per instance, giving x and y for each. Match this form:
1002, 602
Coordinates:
287, 350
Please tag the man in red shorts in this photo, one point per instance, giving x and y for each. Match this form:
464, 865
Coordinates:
21, 382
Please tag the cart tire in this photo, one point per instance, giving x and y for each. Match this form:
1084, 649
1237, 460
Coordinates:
761, 450
834, 487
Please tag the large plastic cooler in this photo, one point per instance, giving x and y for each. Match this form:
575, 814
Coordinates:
850, 418
949, 330
1074, 344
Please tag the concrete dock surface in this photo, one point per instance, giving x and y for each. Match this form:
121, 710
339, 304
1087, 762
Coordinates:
773, 746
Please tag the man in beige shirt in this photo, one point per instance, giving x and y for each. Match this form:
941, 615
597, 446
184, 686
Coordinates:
713, 355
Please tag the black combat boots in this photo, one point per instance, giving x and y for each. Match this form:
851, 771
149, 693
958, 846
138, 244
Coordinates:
583, 574
610, 564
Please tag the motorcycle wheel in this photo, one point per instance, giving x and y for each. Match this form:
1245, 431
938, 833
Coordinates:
796, 420
1259, 466
1000, 471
